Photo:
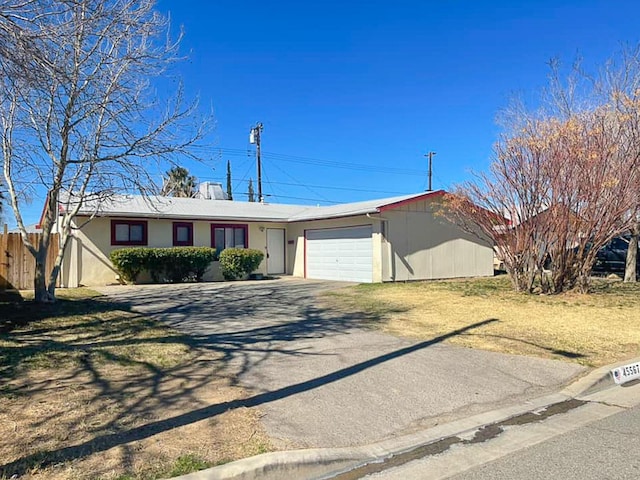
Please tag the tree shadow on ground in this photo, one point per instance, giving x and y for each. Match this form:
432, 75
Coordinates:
17, 312
244, 324
553, 351
229, 344
222, 332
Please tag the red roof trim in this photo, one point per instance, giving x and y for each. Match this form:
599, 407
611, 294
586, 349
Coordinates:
44, 211
424, 196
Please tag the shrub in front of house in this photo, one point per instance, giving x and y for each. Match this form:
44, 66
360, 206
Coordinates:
129, 262
236, 263
182, 264
173, 264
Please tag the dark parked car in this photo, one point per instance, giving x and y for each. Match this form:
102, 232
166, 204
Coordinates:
612, 257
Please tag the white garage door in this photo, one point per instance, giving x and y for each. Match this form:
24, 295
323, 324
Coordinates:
340, 254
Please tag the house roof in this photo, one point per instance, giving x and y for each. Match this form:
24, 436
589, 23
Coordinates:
360, 208
194, 208
33, 228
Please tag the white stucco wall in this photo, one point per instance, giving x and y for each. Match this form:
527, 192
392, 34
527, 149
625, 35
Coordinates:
415, 244
87, 256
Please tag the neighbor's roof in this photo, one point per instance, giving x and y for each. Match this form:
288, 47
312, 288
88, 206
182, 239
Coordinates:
195, 208
33, 228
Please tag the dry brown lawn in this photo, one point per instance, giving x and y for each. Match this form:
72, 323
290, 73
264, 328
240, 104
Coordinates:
593, 329
90, 390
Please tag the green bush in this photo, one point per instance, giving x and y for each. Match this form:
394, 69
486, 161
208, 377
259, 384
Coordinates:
237, 262
130, 262
186, 263
174, 264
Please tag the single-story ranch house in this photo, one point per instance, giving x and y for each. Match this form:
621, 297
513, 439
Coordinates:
386, 240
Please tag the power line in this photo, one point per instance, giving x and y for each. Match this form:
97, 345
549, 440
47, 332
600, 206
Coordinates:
243, 179
327, 187
300, 183
342, 165
306, 199
323, 163
266, 179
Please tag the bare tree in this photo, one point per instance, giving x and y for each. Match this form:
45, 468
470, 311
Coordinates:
565, 174
594, 178
621, 85
2, 200
614, 87
566, 185
79, 119
504, 203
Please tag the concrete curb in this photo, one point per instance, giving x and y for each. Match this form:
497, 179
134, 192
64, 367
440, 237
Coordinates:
324, 463
595, 380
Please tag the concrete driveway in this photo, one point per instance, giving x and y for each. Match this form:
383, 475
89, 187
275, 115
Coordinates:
321, 379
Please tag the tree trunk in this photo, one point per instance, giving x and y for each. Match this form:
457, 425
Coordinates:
632, 255
53, 277
583, 281
40, 281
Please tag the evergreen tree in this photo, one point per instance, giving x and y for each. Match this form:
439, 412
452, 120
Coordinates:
229, 192
251, 194
178, 183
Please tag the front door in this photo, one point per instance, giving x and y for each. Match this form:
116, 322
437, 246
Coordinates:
275, 251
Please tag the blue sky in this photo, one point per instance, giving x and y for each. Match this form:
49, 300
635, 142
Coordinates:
373, 85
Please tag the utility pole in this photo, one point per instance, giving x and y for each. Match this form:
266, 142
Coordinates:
430, 156
254, 137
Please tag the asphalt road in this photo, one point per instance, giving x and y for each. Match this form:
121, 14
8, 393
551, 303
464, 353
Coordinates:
322, 379
606, 449
597, 441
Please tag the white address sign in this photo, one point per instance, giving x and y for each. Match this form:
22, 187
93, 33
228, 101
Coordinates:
626, 373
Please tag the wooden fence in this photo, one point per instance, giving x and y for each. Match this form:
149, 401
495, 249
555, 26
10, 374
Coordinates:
17, 265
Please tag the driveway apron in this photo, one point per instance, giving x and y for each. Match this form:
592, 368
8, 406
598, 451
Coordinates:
323, 380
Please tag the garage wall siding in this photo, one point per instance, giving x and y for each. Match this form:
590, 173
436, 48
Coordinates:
423, 245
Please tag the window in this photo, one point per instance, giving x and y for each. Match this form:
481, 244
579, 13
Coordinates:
182, 234
128, 232
229, 236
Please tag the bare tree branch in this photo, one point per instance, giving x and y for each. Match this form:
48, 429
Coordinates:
566, 177
79, 116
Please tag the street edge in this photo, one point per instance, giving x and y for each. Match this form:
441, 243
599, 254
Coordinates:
324, 463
